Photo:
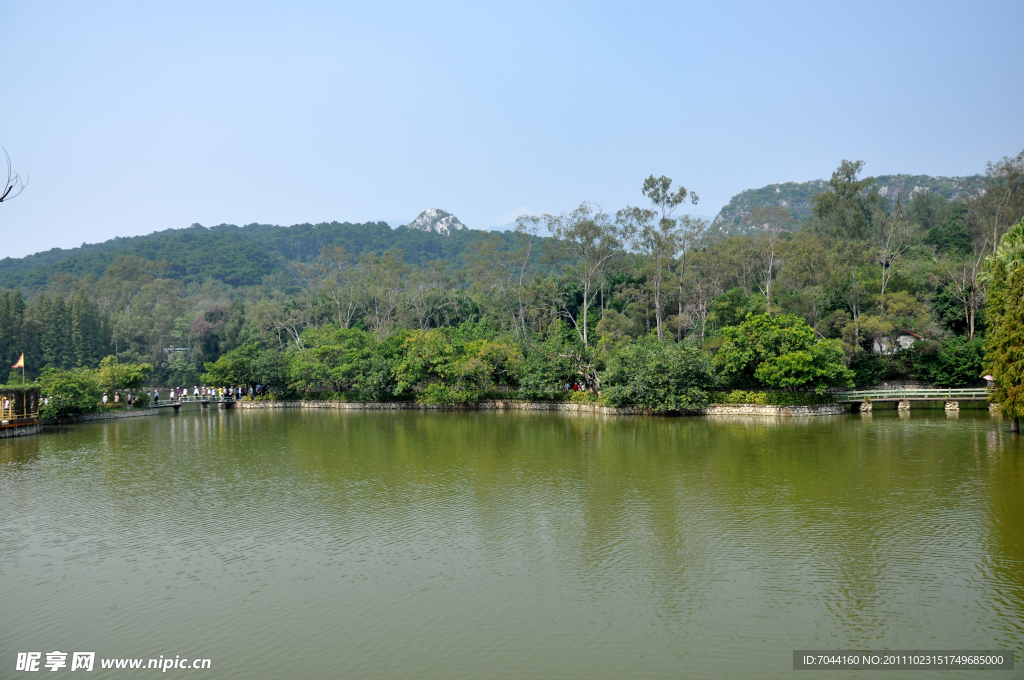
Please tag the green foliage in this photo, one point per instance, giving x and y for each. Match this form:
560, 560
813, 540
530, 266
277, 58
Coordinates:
344, 359
191, 254
798, 197
955, 362
249, 365
733, 217
238, 256
781, 352
547, 370
19, 387
659, 375
1004, 346
871, 369
771, 398
469, 331
816, 368
949, 313
15, 337
215, 331
1005, 350
182, 299
74, 333
180, 371
613, 330
902, 312
945, 224
732, 307
584, 242
70, 392
843, 207
583, 397
452, 369
113, 375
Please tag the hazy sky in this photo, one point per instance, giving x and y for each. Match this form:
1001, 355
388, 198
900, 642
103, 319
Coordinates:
133, 117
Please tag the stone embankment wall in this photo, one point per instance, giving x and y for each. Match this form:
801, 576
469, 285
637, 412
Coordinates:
713, 410
316, 404
19, 430
109, 415
785, 411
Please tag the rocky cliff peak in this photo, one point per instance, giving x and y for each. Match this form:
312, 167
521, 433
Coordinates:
436, 220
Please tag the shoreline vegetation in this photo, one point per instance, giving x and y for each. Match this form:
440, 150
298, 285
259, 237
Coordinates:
638, 310
551, 406
734, 409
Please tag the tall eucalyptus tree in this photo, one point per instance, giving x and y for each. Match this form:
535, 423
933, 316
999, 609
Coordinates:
584, 242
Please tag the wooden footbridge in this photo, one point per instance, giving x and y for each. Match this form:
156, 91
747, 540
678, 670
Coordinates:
914, 394
176, 403
861, 400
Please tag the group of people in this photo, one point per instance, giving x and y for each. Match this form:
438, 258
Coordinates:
7, 406
138, 399
130, 398
177, 393
230, 392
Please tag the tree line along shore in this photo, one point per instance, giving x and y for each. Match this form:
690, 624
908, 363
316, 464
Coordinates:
644, 307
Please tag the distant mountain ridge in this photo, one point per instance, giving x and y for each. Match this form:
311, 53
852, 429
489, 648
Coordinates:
246, 256
238, 256
796, 197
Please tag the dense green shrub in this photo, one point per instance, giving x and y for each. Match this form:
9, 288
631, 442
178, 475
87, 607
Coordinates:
449, 367
816, 368
346, 360
870, 369
659, 375
771, 398
69, 392
177, 371
114, 375
949, 312
732, 307
547, 371
582, 397
951, 363
249, 365
780, 351
954, 362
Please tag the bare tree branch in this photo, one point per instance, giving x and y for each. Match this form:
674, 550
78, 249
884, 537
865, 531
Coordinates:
14, 184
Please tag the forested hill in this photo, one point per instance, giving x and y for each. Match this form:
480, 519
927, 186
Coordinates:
796, 196
238, 256
246, 256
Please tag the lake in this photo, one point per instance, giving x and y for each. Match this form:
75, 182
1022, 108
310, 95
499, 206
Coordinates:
322, 544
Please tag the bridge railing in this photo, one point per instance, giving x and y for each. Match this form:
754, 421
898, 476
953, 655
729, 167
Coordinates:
949, 394
191, 399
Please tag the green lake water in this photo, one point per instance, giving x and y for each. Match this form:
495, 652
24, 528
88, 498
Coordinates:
286, 544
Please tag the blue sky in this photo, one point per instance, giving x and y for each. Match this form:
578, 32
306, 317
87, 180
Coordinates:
134, 117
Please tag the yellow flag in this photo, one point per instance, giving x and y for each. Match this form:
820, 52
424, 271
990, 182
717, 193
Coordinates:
21, 362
